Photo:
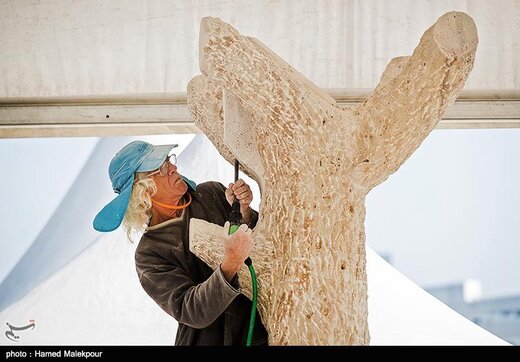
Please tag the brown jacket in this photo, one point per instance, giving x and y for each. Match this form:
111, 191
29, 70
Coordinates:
209, 310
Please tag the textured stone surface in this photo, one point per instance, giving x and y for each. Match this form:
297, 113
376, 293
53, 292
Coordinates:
315, 162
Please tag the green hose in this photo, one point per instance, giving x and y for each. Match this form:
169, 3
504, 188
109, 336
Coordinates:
253, 308
236, 220
249, 264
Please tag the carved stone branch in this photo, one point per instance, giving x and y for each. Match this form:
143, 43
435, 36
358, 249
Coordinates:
315, 162
207, 108
209, 247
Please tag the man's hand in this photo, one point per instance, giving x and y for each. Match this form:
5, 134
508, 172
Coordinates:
237, 247
243, 193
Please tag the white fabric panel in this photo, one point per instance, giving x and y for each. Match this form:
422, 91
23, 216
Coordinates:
81, 47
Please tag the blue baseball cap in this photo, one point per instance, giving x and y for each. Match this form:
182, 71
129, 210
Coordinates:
137, 156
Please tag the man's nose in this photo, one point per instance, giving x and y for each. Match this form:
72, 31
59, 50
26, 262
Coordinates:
172, 169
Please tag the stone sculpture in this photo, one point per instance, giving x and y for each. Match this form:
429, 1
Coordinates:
315, 162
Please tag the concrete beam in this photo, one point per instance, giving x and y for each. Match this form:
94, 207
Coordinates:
149, 114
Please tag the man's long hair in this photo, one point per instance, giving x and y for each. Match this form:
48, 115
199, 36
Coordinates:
139, 209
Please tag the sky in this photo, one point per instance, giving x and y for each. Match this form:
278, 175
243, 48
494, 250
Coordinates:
451, 211
448, 214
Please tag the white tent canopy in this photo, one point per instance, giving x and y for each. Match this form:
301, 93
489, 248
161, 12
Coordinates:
142, 54
92, 295
97, 47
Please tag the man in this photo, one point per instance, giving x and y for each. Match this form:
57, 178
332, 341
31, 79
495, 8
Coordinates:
155, 198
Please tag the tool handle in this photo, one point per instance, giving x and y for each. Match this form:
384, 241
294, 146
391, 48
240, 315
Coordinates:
233, 228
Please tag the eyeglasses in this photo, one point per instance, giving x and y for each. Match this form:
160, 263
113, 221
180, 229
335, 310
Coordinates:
163, 170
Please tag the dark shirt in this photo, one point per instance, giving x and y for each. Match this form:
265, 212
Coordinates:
210, 311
